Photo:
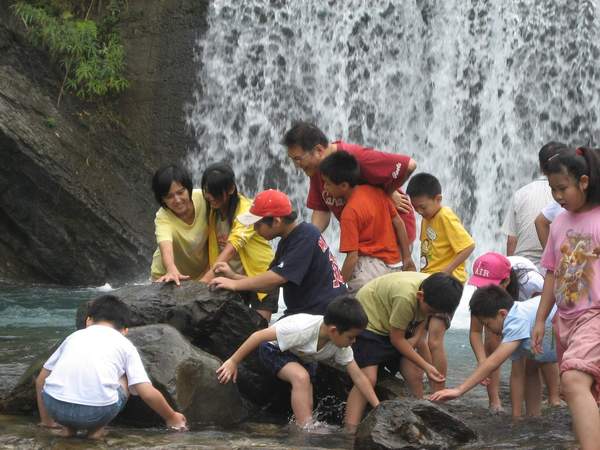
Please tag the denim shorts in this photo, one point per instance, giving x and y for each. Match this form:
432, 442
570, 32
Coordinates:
83, 417
274, 359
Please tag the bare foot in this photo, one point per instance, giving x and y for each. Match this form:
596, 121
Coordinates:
52, 425
65, 432
496, 409
97, 434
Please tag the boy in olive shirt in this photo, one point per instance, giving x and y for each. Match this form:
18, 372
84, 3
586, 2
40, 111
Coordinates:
397, 305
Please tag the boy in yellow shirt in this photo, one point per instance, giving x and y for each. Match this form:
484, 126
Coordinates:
445, 246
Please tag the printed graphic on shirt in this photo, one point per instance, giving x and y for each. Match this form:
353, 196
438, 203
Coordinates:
338, 280
575, 272
331, 201
426, 246
397, 171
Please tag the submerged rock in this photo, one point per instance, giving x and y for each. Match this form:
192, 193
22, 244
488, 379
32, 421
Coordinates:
411, 424
186, 377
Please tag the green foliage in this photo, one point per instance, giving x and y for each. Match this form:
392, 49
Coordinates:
90, 54
50, 122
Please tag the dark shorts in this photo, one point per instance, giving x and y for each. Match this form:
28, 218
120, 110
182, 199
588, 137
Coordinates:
274, 359
83, 417
372, 349
269, 303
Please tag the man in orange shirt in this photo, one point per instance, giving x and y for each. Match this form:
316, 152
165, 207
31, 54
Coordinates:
372, 234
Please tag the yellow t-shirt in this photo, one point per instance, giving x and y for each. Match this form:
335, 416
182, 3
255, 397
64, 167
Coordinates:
391, 301
254, 252
442, 237
189, 241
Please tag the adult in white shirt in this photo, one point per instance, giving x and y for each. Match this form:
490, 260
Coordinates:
545, 218
527, 202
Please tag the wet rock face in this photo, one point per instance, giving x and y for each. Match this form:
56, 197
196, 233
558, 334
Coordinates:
186, 377
410, 424
76, 206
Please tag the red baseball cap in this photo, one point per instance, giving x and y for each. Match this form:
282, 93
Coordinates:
490, 268
269, 203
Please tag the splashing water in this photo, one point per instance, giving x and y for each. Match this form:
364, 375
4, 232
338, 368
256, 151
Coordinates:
471, 90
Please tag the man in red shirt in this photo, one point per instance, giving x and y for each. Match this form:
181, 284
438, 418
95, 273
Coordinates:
307, 146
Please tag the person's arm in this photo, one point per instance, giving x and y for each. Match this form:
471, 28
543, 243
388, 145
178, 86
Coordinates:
511, 245
155, 400
45, 419
349, 264
402, 239
398, 340
228, 252
460, 258
229, 369
542, 227
546, 303
320, 219
362, 383
168, 259
419, 333
491, 363
264, 282
476, 339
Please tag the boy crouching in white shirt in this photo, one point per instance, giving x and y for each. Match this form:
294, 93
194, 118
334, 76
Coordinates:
84, 384
291, 347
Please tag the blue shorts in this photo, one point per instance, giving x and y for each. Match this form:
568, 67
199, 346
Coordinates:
548, 354
83, 417
274, 359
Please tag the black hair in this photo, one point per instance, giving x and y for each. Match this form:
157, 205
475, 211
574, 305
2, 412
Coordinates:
487, 301
165, 176
576, 163
345, 313
305, 135
423, 184
291, 218
341, 167
548, 151
442, 292
514, 284
109, 308
218, 179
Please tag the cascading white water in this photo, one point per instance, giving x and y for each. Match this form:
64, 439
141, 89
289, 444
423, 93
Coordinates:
470, 89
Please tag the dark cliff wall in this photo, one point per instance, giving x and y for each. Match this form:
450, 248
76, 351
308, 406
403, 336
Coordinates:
75, 201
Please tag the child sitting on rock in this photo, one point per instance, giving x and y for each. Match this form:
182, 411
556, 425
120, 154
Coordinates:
291, 347
85, 383
514, 321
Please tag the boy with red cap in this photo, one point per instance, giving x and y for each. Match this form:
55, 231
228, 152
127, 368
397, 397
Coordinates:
303, 264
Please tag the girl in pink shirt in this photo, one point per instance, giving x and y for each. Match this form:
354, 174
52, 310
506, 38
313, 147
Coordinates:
572, 260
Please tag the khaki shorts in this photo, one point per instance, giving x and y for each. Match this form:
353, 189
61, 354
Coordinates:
368, 268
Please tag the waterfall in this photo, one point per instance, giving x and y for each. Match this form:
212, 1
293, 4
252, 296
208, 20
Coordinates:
470, 89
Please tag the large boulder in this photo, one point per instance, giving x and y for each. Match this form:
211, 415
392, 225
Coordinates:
217, 322
21, 399
411, 424
186, 377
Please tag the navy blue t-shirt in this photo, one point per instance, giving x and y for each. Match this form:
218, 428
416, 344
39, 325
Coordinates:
313, 277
